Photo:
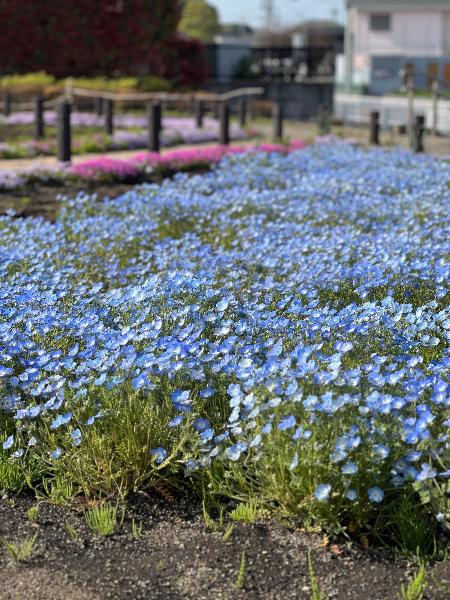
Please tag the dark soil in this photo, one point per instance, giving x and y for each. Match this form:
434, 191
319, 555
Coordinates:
178, 557
42, 200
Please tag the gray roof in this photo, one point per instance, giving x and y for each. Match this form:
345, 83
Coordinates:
401, 5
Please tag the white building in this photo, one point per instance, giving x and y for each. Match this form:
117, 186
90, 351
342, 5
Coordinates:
385, 38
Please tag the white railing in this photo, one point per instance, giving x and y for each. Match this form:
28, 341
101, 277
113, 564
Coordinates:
355, 108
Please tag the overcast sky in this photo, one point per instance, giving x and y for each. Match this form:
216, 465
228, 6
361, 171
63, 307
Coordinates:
286, 11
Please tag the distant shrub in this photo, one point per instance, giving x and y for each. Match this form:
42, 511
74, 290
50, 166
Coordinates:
26, 83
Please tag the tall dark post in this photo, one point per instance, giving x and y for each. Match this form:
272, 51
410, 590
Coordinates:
154, 126
277, 115
375, 128
64, 137
418, 133
38, 117
7, 104
242, 112
216, 110
251, 110
224, 138
109, 109
98, 106
199, 114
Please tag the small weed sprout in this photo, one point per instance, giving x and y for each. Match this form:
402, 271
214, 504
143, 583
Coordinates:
213, 525
415, 588
228, 532
246, 512
102, 520
240, 579
32, 513
136, 529
20, 552
316, 594
71, 531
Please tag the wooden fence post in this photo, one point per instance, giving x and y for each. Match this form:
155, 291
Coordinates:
199, 114
277, 116
154, 116
243, 113
64, 137
224, 138
38, 117
375, 128
7, 104
410, 97
418, 134
435, 91
109, 111
251, 110
98, 106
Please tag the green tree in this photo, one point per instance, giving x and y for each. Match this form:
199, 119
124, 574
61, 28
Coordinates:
199, 20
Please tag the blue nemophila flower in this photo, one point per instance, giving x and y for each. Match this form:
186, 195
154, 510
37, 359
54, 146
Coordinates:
182, 400
349, 468
163, 320
76, 437
55, 454
234, 452
287, 423
375, 494
61, 420
351, 494
294, 462
160, 454
322, 492
200, 424
7, 444
222, 305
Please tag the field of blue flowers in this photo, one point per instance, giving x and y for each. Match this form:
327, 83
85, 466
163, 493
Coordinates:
275, 332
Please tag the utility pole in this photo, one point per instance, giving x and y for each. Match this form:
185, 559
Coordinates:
268, 9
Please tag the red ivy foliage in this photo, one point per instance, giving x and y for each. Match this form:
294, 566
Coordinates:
86, 37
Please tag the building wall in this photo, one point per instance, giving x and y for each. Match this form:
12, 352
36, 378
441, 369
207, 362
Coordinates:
413, 34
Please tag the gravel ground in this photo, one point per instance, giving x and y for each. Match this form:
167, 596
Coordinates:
178, 557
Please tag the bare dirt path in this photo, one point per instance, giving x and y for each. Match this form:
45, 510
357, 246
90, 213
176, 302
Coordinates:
176, 556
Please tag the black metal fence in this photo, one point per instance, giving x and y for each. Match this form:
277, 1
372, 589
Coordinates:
234, 62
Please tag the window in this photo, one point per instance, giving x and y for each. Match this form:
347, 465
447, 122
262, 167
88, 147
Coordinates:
380, 22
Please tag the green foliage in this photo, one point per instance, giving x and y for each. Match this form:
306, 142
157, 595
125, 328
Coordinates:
411, 526
114, 457
152, 83
27, 82
415, 588
59, 489
20, 552
316, 594
240, 579
38, 81
102, 520
246, 512
11, 476
199, 20
435, 495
